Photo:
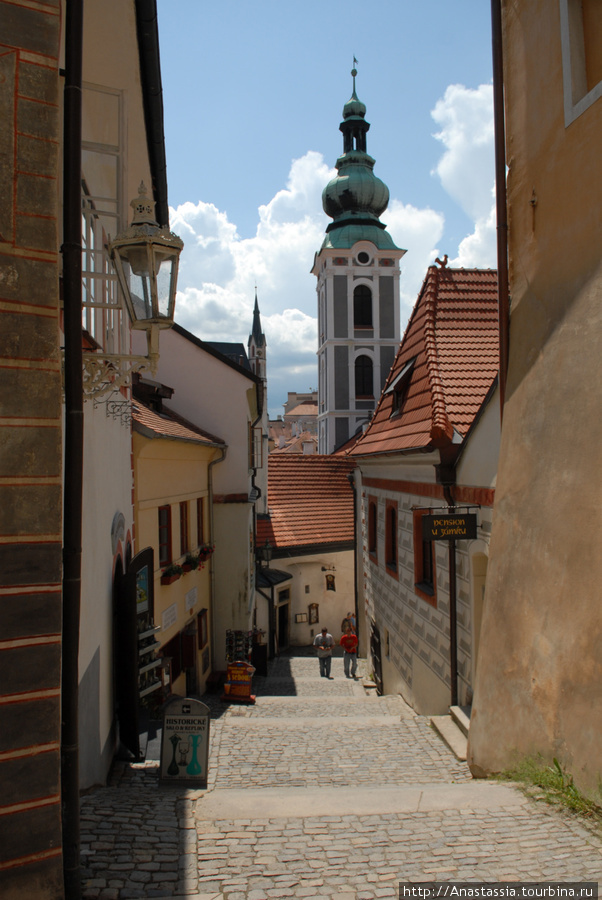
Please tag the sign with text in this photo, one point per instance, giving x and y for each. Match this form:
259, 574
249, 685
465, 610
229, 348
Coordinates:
185, 742
448, 527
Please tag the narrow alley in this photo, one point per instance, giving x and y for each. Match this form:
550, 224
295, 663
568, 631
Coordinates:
322, 789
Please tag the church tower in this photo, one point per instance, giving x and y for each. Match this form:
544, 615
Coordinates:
256, 349
256, 345
357, 269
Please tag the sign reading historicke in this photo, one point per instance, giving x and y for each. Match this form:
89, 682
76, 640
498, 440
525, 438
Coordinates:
185, 741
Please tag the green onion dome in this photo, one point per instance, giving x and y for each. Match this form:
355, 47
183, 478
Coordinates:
355, 196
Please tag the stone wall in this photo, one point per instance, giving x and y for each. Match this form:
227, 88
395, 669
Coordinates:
415, 634
30, 462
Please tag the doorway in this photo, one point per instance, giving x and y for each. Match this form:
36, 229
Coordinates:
283, 618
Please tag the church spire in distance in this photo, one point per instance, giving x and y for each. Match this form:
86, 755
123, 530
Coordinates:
256, 343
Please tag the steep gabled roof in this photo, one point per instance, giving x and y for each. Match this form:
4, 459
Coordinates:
168, 424
448, 357
310, 501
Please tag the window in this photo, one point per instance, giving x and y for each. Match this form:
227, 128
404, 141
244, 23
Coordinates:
202, 629
255, 447
424, 562
103, 159
200, 521
581, 41
362, 306
399, 388
364, 382
372, 528
184, 542
391, 537
164, 535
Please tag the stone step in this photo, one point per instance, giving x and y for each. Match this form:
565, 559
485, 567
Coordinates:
451, 735
461, 716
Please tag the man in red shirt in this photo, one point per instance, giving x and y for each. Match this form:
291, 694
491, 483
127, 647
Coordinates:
349, 645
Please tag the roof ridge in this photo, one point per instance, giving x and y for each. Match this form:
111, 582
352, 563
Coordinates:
441, 427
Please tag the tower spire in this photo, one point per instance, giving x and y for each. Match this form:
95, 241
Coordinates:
256, 343
356, 198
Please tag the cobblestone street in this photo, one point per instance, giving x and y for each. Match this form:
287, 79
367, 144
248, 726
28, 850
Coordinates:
322, 789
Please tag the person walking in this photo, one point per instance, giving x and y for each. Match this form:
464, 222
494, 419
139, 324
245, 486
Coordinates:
324, 642
349, 620
349, 644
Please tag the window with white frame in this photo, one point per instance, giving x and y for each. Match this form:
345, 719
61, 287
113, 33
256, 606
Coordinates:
103, 215
581, 41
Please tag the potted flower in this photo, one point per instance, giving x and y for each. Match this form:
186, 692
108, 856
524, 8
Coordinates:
171, 573
190, 563
205, 551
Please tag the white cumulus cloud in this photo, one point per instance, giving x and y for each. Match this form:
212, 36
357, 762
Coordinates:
219, 270
466, 168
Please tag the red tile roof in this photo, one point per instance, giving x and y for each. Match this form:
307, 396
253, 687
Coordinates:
168, 424
452, 336
310, 501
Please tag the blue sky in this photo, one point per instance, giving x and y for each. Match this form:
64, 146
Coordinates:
253, 95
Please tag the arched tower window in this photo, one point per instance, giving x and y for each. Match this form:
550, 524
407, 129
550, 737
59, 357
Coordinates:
362, 306
364, 379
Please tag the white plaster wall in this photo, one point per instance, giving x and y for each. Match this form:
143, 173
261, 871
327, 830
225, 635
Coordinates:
107, 490
213, 396
307, 572
478, 462
232, 561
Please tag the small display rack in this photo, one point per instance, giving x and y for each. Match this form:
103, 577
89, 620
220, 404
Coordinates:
238, 646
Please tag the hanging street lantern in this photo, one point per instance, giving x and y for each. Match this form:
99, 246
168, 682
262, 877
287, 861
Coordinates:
146, 257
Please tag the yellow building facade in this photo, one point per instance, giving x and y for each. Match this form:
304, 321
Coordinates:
172, 503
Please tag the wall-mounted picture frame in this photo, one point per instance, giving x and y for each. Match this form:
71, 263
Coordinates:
300, 617
313, 610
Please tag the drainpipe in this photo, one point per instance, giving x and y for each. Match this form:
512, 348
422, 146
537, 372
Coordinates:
453, 628
500, 195
351, 479
74, 444
213, 463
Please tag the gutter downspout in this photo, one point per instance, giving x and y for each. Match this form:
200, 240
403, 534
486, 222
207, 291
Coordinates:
351, 479
147, 29
453, 617
74, 447
213, 462
500, 195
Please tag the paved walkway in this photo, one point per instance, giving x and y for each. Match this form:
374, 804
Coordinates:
322, 789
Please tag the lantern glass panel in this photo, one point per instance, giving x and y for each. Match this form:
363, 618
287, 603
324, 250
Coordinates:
165, 265
140, 291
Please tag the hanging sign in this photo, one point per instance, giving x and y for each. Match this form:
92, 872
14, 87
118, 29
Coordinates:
447, 527
185, 742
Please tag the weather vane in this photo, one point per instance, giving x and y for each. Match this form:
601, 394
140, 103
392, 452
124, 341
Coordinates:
354, 72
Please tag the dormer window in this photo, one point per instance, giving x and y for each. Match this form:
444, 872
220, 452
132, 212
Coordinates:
399, 388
